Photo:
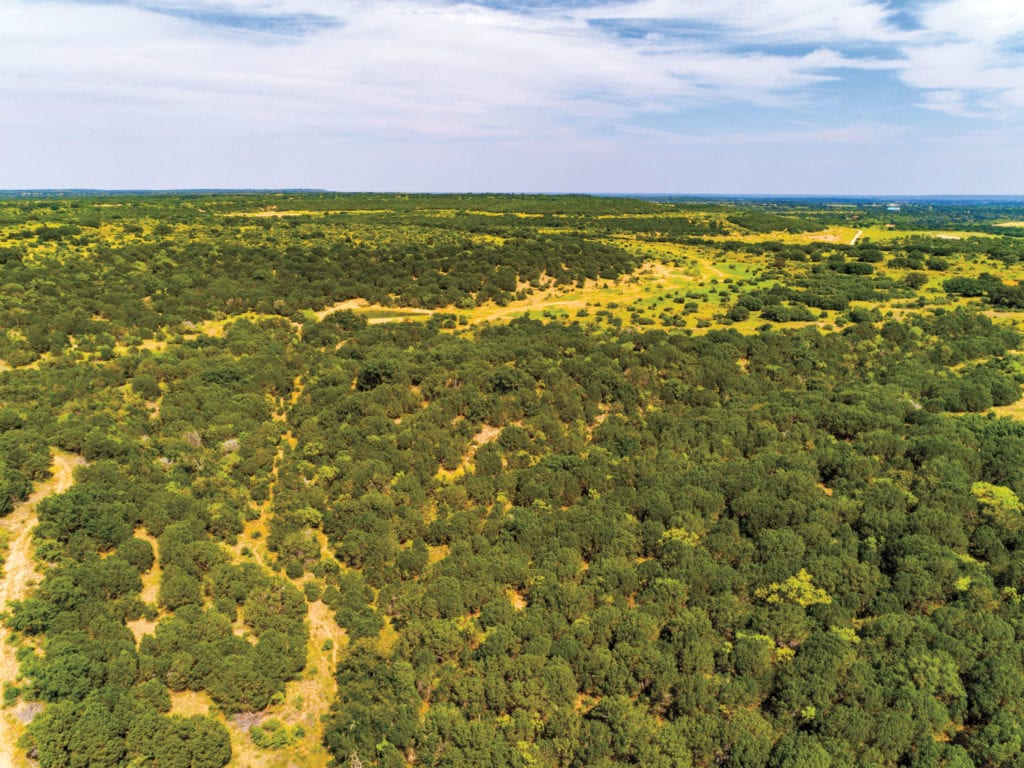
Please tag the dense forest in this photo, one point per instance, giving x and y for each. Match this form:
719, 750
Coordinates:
476, 481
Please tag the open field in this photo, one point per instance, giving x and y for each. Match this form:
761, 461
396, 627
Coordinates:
670, 275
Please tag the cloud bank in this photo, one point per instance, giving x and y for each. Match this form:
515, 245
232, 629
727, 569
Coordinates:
544, 76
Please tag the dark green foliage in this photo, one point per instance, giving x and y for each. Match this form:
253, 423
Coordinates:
547, 543
111, 729
136, 552
768, 222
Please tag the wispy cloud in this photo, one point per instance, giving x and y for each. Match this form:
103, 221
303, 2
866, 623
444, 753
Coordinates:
779, 21
402, 66
967, 58
555, 71
859, 133
230, 16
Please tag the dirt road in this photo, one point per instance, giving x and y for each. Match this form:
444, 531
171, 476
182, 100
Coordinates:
20, 575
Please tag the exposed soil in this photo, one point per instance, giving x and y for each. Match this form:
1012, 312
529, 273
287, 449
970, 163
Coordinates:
20, 575
150, 588
341, 305
517, 599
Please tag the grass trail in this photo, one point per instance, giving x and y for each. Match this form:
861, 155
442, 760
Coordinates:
20, 575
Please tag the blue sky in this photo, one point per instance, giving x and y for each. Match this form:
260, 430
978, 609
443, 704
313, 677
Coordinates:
647, 96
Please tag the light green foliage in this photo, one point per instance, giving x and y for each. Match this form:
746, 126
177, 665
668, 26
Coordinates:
635, 529
797, 589
999, 503
274, 734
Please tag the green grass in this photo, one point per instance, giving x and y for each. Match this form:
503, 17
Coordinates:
671, 275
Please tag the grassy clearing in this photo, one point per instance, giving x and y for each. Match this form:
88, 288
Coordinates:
886, 234
1013, 411
837, 234
671, 272
677, 287
680, 286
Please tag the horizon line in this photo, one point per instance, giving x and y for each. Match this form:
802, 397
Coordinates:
86, 191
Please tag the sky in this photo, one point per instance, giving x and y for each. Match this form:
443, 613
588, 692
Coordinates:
813, 97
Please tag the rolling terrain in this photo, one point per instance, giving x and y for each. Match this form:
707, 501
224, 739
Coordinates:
510, 481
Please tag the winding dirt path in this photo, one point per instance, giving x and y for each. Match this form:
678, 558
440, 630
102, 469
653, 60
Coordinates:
20, 575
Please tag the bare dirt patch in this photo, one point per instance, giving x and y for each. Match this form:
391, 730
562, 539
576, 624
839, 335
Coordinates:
245, 721
26, 711
350, 304
150, 588
188, 703
151, 578
516, 598
487, 434
141, 627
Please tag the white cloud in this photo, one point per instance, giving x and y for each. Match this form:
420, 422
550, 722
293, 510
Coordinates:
859, 133
798, 21
989, 21
967, 57
238, 75
393, 65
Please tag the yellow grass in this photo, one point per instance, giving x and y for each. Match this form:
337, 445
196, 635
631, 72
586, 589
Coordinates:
308, 697
881, 233
151, 578
828, 235
516, 598
669, 270
1014, 410
652, 279
388, 637
189, 703
273, 213
436, 554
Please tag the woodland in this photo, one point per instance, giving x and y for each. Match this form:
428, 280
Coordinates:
495, 480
